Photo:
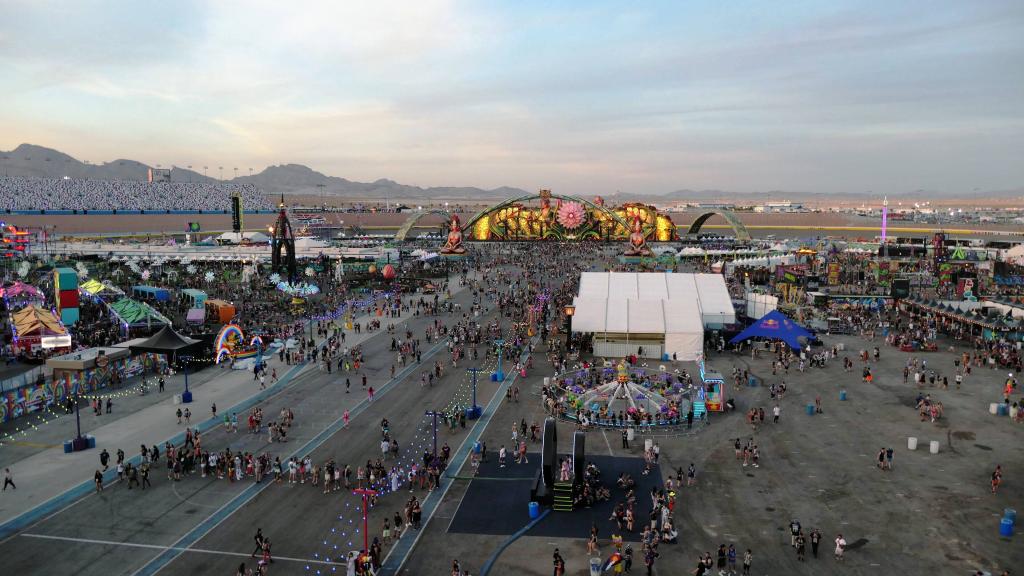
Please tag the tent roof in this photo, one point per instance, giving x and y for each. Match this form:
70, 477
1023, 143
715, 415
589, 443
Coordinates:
777, 326
36, 320
135, 312
19, 288
166, 341
707, 292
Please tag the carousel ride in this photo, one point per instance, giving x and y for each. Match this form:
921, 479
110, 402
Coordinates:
622, 396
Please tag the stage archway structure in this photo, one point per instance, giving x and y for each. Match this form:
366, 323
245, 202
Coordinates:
407, 226
737, 226
567, 218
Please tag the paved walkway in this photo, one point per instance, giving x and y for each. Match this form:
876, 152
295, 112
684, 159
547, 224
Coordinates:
49, 479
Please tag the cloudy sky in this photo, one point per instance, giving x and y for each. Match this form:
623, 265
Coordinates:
581, 97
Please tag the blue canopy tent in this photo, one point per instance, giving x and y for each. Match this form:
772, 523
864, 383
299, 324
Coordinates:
151, 293
777, 326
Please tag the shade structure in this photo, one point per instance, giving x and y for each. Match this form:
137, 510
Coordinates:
166, 341
776, 326
20, 290
160, 294
36, 321
135, 313
661, 312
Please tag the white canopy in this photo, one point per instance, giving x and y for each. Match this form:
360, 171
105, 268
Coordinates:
678, 306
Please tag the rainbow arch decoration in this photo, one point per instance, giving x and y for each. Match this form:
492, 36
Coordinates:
229, 343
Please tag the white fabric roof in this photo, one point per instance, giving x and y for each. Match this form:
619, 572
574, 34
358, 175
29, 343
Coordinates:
651, 303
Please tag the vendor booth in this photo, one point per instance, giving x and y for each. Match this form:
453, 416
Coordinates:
133, 314
151, 293
21, 293
220, 311
98, 289
775, 326
36, 328
195, 298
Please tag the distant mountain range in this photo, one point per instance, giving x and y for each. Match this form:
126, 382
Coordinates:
37, 161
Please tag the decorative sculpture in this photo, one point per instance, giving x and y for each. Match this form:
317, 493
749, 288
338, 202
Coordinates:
454, 244
637, 242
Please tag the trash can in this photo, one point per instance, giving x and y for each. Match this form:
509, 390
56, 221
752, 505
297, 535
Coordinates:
912, 443
1011, 514
752, 382
993, 408
842, 395
933, 447
1003, 410
177, 398
534, 510
1006, 527
595, 566
630, 433
547, 380
810, 409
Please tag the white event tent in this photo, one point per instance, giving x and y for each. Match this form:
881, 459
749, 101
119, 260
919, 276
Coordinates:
656, 313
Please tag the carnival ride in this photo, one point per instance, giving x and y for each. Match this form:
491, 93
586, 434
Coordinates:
623, 396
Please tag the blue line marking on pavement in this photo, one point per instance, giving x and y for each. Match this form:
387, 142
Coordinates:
403, 547
211, 522
508, 542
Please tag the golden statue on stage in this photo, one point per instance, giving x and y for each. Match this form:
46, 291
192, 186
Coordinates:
454, 244
637, 241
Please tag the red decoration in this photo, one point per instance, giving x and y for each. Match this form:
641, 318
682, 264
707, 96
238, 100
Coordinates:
389, 272
68, 299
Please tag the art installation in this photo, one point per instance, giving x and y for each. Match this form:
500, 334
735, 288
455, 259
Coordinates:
454, 247
637, 241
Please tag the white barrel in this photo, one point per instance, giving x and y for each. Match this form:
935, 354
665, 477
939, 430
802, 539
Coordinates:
177, 398
547, 380
912, 443
630, 433
648, 444
934, 447
993, 408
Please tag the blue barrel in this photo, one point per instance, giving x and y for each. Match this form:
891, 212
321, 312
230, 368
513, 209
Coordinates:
752, 382
1010, 514
1003, 410
842, 395
535, 511
665, 357
1006, 527
810, 409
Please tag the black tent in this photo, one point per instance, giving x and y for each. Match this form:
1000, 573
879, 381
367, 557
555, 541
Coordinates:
166, 341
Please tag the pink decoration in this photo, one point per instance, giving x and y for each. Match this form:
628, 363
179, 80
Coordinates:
571, 215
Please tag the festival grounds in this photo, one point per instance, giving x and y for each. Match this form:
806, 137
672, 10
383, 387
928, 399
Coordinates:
932, 514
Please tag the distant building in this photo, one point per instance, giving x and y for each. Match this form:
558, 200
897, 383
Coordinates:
782, 206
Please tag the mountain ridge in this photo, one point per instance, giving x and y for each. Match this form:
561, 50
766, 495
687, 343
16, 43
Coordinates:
31, 160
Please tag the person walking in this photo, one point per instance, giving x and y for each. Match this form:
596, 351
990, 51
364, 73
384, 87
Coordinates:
370, 392
748, 558
815, 540
8, 479
345, 417
840, 547
258, 538
776, 411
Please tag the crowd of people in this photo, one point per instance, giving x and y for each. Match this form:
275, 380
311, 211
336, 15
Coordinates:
22, 193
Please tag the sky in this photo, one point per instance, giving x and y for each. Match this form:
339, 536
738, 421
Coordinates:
579, 97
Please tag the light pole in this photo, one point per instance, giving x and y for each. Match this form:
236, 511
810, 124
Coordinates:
366, 493
435, 414
569, 309
474, 411
186, 396
499, 375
